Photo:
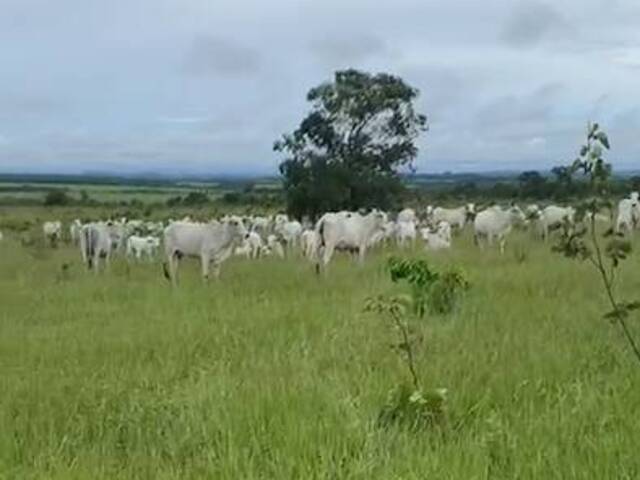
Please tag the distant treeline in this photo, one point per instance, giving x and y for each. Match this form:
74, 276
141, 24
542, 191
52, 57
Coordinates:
557, 185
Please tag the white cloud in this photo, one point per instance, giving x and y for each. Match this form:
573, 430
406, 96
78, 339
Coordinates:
627, 57
208, 86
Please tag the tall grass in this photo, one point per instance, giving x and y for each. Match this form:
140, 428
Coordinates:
274, 373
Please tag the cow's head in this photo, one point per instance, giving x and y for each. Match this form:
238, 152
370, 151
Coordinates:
517, 215
470, 211
237, 228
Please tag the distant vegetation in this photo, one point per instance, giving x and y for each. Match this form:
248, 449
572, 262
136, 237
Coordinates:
267, 194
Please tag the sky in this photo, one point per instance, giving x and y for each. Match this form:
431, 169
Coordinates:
206, 86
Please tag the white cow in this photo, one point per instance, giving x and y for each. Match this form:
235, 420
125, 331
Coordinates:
456, 217
140, 246
554, 217
212, 243
495, 223
52, 232
74, 231
405, 231
290, 232
628, 214
350, 231
275, 246
438, 240
260, 225
384, 235
251, 246
308, 242
407, 215
95, 243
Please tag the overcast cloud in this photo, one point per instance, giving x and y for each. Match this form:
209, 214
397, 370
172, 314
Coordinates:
202, 86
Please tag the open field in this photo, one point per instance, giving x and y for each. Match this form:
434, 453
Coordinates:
274, 373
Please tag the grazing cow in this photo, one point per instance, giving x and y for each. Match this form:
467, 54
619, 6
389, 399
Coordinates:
456, 217
438, 240
345, 230
495, 223
74, 231
140, 246
212, 243
52, 232
554, 217
308, 242
275, 246
628, 214
95, 243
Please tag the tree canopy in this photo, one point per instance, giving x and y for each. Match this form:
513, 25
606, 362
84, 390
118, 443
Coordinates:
348, 150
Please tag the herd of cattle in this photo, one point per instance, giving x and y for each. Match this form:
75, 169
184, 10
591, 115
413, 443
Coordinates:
354, 232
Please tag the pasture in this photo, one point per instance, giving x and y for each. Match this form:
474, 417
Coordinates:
273, 372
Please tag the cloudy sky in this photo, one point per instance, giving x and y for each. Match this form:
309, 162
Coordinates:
206, 86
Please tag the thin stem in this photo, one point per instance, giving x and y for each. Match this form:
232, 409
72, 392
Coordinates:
599, 264
405, 338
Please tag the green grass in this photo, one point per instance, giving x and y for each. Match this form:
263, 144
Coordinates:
273, 373
106, 193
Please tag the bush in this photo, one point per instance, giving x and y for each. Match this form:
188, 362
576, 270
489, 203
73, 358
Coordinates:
57, 198
195, 198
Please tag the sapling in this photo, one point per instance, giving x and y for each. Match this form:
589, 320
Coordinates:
410, 405
603, 252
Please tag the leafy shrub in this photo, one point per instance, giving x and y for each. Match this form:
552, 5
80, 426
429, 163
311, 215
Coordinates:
439, 292
445, 291
57, 198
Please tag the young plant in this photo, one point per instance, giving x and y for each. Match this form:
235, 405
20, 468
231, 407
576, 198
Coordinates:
603, 252
409, 405
431, 290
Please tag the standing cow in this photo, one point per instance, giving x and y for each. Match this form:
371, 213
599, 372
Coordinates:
52, 232
456, 217
554, 217
75, 229
212, 243
95, 243
346, 230
495, 223
628, 214
141, 246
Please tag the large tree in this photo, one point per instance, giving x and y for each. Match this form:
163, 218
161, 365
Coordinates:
347, 152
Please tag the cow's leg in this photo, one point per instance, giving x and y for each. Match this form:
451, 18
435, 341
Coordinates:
205, 263
361, 252
173, 261
216, 270
503, 243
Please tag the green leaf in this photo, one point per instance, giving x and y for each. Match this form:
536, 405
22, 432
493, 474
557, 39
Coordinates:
604, 140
